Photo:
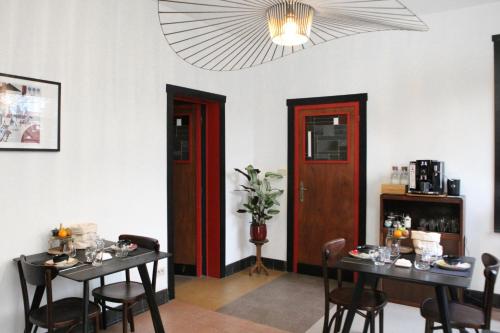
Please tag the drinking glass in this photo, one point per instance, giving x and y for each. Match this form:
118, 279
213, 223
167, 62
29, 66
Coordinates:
376, 257
99, 252
121, 249
69, 249
385, 254
423, 260
90, 253
395, 248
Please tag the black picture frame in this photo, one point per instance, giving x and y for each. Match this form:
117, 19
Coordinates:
30, 114
496, 45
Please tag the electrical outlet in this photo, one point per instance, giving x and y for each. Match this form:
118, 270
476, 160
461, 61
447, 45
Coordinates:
161, 271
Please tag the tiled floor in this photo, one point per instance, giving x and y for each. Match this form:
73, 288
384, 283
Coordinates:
281, 302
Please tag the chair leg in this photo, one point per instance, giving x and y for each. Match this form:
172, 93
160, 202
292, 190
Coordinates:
103, 317
124, 317
367, 322
381, 321
428, 326
338, 321
326, 318
372, 322
131, 319
97, 323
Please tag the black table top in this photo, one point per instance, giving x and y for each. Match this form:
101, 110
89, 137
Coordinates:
84, 272
390, 271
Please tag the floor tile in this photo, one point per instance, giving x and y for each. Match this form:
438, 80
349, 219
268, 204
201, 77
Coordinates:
212, 293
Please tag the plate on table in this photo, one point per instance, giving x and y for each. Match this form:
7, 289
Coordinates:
463, 266
62, 264
131, 247
360, 255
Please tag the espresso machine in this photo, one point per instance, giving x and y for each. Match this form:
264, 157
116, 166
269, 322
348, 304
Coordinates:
426, 177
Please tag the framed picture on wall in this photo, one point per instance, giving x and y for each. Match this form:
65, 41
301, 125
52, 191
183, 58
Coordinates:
30, 113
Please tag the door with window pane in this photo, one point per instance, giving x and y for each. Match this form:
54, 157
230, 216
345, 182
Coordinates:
326, 174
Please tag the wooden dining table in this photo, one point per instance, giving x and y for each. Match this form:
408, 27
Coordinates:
369, 274
85, 272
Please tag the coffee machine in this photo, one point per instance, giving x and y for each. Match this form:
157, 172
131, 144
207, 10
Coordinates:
426, 177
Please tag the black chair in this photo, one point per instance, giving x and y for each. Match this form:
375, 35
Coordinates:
127, 292
62, 315
464, 316
372, 301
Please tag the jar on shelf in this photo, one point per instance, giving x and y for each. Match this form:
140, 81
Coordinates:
404, 178
395, 175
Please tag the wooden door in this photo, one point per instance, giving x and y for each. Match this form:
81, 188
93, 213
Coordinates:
326, 179
186, 188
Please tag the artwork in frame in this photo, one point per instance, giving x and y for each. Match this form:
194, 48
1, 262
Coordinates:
30, 113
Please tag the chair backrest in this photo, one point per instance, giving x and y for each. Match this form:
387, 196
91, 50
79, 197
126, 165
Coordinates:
491, 266
41, 277
147, 243
329, 256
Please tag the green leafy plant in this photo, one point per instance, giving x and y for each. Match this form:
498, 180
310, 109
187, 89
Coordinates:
262, 197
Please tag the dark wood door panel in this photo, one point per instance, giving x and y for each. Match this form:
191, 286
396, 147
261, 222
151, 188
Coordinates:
328, 207
184, 187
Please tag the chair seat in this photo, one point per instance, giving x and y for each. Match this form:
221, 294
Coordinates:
371, 300
461, 315
66, 312
120, 292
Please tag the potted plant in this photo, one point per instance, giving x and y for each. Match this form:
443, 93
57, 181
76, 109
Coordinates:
261, 200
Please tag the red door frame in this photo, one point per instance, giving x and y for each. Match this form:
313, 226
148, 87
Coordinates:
359, 101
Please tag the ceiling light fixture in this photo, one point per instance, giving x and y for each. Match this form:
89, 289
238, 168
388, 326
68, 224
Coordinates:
229, 35
290, 23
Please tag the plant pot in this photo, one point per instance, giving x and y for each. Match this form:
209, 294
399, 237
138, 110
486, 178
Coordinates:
258, 232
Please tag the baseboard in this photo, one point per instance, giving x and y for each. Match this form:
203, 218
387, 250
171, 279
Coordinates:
238, 266
475, 297
184, 269
113, 317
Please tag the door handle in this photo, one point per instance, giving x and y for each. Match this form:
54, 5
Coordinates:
302, 188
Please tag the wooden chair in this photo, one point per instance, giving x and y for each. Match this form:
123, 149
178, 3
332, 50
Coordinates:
55, 315
372, 301
127, 292
464, 316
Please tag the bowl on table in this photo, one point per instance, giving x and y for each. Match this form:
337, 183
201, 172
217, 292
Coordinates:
451, 259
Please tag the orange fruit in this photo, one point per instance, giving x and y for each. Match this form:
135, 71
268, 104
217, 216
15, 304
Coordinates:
62, 233
397, 234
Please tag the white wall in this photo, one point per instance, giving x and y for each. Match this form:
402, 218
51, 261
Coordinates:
430, 95
113, 63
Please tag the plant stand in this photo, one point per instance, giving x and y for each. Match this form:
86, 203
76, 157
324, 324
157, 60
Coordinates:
259, 265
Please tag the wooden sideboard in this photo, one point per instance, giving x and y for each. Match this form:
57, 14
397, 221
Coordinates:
421, 209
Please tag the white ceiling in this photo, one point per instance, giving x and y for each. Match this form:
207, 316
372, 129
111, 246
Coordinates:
421, 7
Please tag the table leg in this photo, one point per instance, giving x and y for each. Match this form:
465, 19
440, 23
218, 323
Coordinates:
356, 296
150, 297
85, 309
442, 299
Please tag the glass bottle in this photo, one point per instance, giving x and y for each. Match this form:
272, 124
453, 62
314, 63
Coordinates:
395, 175
407, 221
404, 179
